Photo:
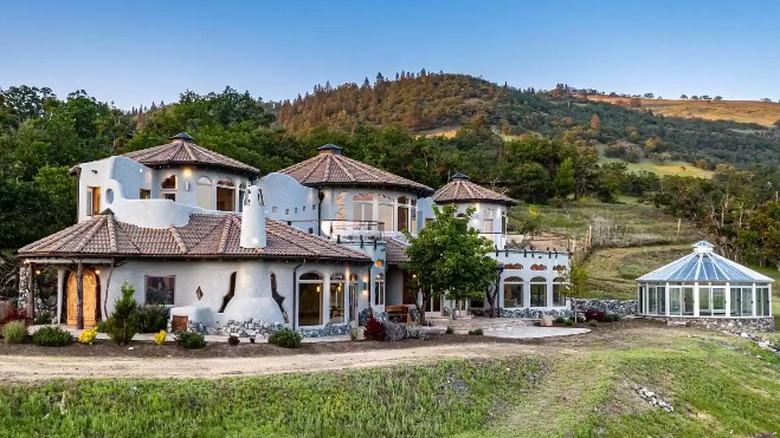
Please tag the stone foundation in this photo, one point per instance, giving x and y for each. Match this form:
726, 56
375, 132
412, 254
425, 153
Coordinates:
734, 325
609, 307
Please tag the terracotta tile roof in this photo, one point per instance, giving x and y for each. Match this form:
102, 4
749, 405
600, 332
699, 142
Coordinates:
460, 189
396, 252
182, 151
205, 236
331, 168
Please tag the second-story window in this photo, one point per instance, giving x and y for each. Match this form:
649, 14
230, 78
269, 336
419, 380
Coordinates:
168, 187
93, 201
204, 193
487, 220
226, 195
363, 207
403, 214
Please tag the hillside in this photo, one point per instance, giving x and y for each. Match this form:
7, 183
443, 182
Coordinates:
430, 103
743, 111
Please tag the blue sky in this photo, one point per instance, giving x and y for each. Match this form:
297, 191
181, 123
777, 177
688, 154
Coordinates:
140, 51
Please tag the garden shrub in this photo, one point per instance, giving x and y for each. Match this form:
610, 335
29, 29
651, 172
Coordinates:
594, 315
449, 330
477, 332
14, 314
122, 325
14, 332
88, 336
560, 319
159, 337
569, 322
286, 337
190, 340
233, 340
101, 327
375, 330
593, 323
52, 337
152, 318
44, 318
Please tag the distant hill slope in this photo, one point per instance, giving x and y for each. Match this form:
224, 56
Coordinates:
429, 103
743, 111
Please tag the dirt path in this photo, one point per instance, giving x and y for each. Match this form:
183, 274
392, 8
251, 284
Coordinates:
25, 368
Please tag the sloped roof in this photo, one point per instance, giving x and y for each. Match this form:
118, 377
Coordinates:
183, 151
704, 265
461, 189
396, 252
331, 168
205, 236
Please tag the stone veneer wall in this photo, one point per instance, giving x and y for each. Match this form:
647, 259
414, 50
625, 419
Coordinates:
736, 325
246, 329
619, 307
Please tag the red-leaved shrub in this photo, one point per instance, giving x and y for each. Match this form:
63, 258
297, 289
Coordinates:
595, 315
375, 330
14, 314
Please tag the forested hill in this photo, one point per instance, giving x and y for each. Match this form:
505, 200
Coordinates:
425, 102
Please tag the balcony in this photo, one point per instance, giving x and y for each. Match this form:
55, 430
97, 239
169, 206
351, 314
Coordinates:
343, 229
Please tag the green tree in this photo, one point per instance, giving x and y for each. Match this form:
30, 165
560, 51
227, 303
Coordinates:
450, 258
122, 325
564, 179
576, 282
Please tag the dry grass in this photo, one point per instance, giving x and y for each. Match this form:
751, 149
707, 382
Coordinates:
744, 111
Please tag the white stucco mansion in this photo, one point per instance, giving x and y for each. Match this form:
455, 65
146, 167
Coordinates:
308, 246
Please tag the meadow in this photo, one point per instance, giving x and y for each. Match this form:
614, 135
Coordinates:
718, 385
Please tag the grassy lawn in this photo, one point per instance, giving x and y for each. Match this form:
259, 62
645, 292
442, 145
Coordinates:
717, 390
679, 168
625, 223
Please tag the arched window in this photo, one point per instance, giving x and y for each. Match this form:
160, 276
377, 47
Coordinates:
169, 187
310, 299
204, 194
513, 292
538, 292
226, 195
337, 293
558, 297
379, 290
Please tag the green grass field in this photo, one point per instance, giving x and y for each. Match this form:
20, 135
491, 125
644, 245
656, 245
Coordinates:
626, 223
679, 168
716, 389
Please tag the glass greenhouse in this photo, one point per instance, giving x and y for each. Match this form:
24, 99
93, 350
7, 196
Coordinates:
705, 284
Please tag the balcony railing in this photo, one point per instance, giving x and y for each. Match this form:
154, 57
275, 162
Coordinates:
343, 229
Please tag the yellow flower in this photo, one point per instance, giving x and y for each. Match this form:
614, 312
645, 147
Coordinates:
159, 338
88, 336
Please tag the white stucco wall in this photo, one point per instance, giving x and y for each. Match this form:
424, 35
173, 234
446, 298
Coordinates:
495, 233
126, 178
253, 298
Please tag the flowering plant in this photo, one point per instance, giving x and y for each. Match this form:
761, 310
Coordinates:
159, 337
88, 336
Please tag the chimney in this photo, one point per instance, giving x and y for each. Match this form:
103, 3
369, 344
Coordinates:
253, 219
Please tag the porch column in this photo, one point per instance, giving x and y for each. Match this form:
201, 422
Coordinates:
80, 296
60, 290
753, 301
31, 292
666, 300
728, 300
770, 299
696, 298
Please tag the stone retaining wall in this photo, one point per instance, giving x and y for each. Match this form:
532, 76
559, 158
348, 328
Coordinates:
619, 307
735, 325
609, 307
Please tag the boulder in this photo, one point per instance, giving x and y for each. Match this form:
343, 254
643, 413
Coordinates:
546, 321
395, 331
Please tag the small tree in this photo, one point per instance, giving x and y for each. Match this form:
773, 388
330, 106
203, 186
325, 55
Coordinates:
122, 325
450, 259
576, 283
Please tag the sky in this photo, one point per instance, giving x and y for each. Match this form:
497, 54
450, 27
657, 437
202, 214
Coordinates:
134, 53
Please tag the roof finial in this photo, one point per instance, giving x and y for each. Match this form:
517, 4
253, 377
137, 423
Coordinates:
183, 136
459, 175
330, 148
703, 247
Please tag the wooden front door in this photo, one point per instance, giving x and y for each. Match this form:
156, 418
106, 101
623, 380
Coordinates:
90, 299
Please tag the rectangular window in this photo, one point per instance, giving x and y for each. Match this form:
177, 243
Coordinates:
558, 298
93, 201
642, 300
705, 307
675, 301
652, 301
144, 194
386, 216
379, 292
718, 301
171, 196
160, 290
513, 295
487, 226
